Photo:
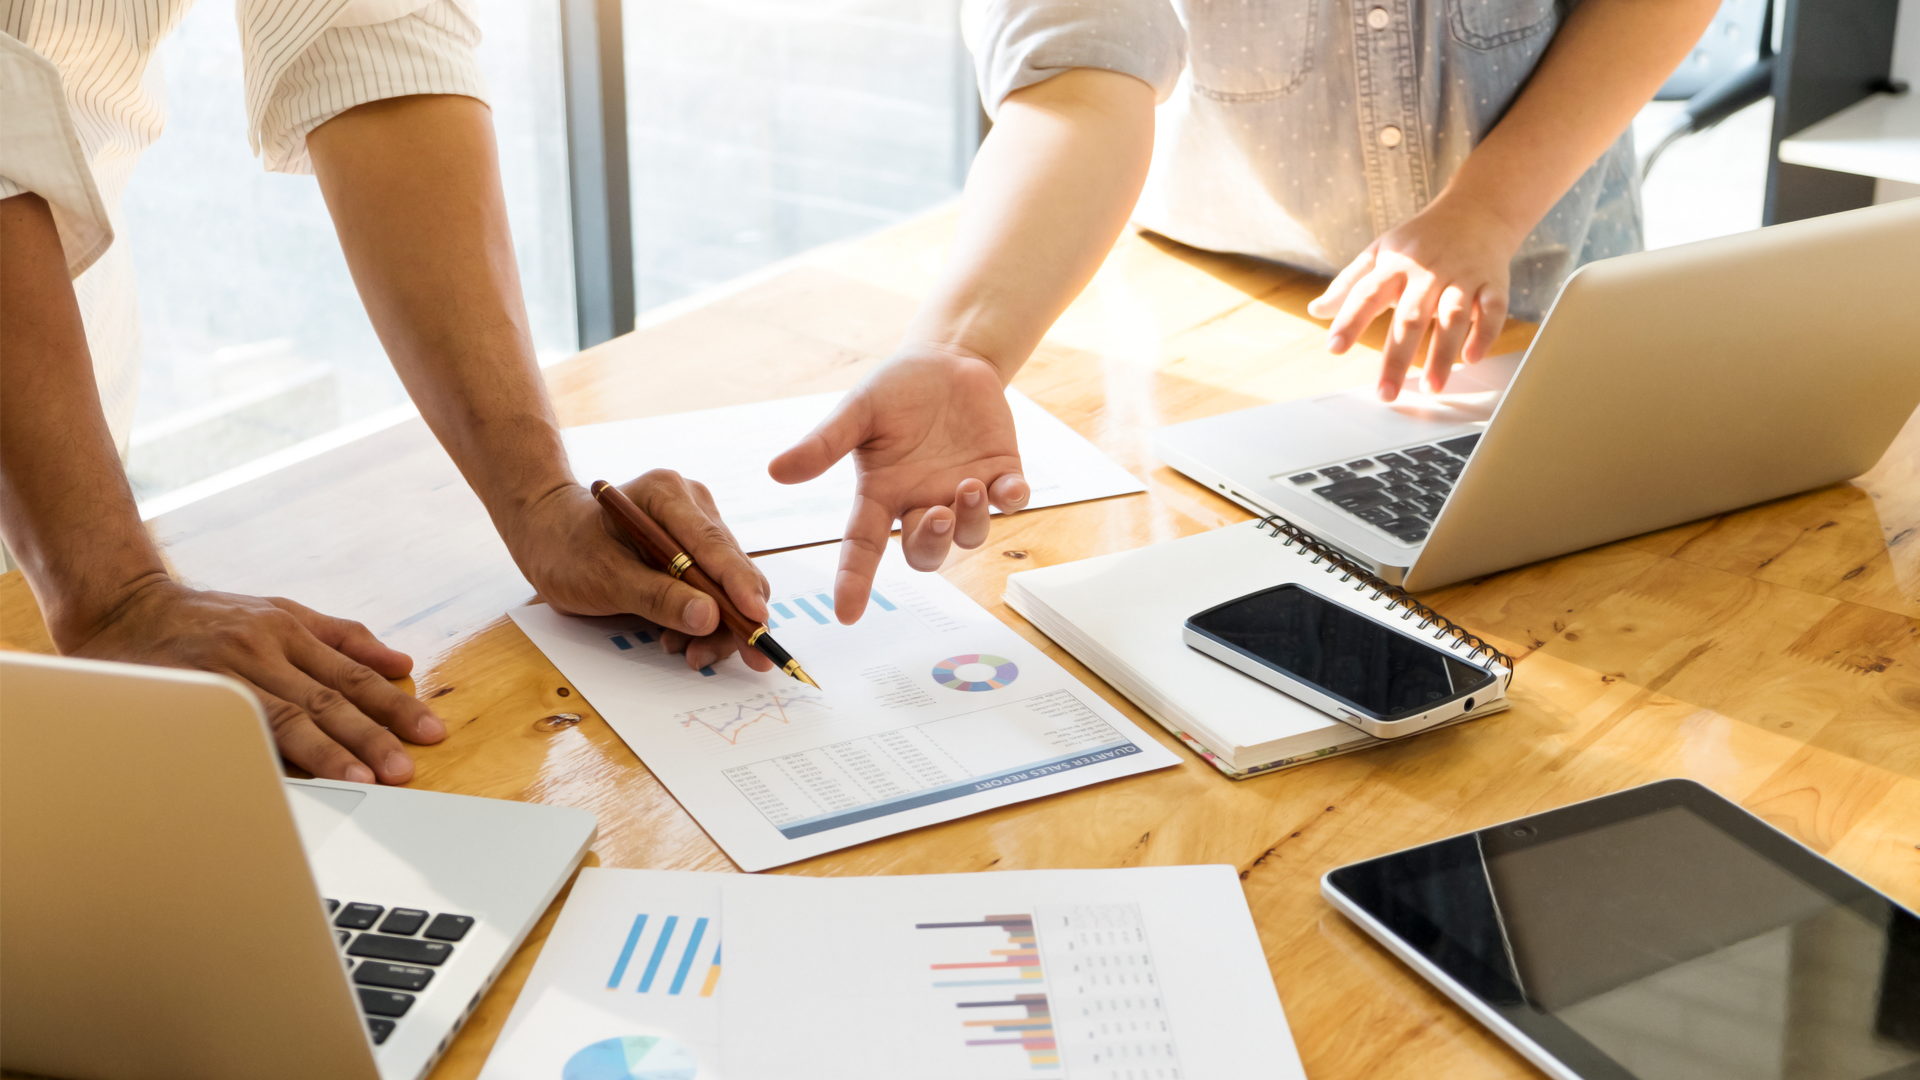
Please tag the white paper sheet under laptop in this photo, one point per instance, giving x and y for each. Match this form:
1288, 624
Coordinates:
1122, 614
728, 449
932, 709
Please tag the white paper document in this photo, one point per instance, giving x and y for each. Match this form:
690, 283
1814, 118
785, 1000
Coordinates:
626, 985
932, 709
728, 449
1136, 974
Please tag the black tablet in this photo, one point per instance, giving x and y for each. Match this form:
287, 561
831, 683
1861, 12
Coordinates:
1659, 933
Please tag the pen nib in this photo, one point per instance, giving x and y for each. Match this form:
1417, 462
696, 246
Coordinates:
805, 678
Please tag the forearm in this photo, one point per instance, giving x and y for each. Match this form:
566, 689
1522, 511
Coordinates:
1603, 65
65, 507
413, 185
1050, 190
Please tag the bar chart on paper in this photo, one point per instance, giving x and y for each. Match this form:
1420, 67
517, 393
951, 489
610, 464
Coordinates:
626, 987
677, 957
1061, 991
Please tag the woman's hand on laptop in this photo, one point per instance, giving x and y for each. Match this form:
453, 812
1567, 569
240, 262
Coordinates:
1444, 269
933, 442
322, 680
582, 565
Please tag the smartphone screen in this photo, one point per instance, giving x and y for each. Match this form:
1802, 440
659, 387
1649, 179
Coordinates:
1376, 670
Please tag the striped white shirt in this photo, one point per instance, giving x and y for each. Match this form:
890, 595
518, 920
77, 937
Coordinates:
84, 97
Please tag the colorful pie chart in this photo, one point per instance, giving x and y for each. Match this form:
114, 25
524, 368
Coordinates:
633, 1057
975, 672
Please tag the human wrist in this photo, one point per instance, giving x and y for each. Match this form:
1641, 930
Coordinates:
1488, 211
952, 350
76, 612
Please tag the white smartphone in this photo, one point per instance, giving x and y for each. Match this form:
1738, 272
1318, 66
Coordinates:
1387, 682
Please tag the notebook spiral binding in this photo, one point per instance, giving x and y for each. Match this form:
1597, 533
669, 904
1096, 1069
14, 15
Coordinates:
1396, 597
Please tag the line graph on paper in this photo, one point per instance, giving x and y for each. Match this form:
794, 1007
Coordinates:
766, 712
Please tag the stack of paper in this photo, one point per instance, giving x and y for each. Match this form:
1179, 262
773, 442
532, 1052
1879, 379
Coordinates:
1078, 974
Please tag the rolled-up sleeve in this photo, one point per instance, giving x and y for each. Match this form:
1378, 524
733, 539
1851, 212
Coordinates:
40, 153
302, 73
1017, 43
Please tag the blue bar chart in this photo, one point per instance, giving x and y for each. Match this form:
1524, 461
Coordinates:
671, 963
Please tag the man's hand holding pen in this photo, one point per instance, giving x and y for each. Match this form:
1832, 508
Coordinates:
583, 564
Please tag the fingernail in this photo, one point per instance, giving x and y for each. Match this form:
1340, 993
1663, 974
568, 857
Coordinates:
699, 610
971, 498
1388, 393
431, 728
359, 774
398, 764
940, 526
1334, 344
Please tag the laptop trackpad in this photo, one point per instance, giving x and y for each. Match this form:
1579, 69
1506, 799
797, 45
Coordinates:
318, 811
1471, 396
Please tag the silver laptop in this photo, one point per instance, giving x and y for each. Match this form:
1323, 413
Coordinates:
1662, 388
171, 907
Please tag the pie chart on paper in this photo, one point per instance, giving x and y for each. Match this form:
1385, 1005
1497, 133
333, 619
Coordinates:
975, 672
632, 1057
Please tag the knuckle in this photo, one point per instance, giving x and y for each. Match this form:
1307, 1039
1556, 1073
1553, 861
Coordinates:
324, 700
283, 715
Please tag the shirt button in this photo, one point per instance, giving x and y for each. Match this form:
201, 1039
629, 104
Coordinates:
1389, 137
1378, 18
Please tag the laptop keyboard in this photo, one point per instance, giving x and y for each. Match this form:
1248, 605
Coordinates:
391, 954
1399, 492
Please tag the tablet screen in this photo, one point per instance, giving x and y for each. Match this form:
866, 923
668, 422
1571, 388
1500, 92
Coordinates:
1674, 939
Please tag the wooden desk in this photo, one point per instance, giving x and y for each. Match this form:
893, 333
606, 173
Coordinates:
1773, 654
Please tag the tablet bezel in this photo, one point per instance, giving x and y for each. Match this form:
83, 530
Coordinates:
1541, 1036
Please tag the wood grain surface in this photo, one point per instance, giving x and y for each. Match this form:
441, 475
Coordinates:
1772, 654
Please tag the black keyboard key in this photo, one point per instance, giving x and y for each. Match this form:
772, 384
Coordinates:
1461, 446
393, 976
1427, 453
342, 935
1353, 504
1430, 504
379, 1029
1404, 508
1345, 488
1392, 461
403, 920
1409, 529
403, 950
332, 905
357, 916
1402, 491
1336, 473
1303, 478
385, 1002
449, 927
1375, 515
1363, 463
1434, 485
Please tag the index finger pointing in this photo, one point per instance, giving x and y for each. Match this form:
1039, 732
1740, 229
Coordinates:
860, 555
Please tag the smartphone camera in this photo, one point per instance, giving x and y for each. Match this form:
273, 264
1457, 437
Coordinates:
1522, 831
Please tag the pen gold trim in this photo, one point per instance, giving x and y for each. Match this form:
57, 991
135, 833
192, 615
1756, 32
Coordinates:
660, 549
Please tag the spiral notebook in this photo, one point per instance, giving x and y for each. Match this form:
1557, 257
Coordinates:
1122, 614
